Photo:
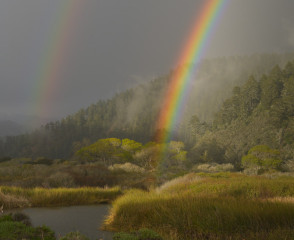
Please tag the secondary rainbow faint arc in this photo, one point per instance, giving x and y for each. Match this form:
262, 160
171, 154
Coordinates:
187, 62
54, 57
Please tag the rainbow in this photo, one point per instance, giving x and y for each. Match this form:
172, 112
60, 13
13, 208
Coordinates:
191, 54
53, 59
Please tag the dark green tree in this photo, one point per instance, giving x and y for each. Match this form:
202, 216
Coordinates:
207, 152
196, 127
250, 97
288, 95
271, 87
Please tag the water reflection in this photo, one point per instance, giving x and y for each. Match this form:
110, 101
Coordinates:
85, 219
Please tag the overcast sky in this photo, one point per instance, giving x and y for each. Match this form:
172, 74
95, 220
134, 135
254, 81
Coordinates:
105, 46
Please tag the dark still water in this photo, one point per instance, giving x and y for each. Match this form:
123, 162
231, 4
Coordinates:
85, 219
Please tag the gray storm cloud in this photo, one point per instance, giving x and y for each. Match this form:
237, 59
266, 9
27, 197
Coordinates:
112, 41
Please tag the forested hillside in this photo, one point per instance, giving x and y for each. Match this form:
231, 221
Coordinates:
255, 126
132, 114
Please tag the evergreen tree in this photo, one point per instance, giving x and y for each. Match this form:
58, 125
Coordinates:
250, 97
271, 87
288, 95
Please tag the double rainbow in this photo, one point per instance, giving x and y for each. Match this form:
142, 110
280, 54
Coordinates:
187, 63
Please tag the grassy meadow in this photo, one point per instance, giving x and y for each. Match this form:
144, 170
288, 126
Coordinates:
210, 206
16, 197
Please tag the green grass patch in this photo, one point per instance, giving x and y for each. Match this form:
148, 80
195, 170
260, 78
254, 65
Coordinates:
42, 197
228, 206
13, 230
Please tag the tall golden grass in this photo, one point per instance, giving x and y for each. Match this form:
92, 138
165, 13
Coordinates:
217, 206
13, 197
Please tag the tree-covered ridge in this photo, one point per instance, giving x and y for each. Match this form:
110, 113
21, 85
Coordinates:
273, 92
128, 114
132, 114
259, 113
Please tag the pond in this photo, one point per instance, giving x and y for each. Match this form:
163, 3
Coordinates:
85, 219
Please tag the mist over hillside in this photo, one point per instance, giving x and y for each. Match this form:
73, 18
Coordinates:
10, 128
16, 124
113, 44
134, 112
216, 78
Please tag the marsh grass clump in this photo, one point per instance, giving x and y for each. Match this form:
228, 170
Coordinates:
10, 201
73, 196
209, 207
230, 184
42, 197
191, 215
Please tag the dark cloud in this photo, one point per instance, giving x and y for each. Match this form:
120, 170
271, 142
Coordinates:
115, 43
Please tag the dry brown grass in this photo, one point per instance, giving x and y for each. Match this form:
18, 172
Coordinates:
10, 201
